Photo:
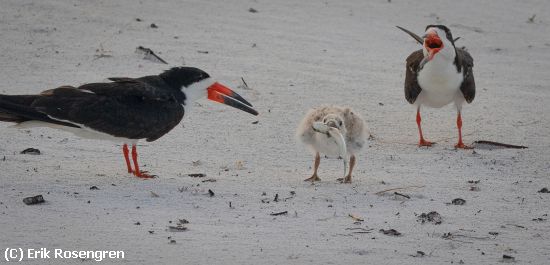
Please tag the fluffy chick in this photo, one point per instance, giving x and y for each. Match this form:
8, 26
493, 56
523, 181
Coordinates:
350, 125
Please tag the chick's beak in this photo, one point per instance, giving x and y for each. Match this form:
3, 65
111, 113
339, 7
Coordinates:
222, 94
332, 124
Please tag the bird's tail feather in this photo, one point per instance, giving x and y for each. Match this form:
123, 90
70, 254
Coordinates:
17, 108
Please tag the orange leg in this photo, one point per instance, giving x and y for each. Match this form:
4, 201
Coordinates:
460, 144
422, 142
138, 173
314, 177
127, 158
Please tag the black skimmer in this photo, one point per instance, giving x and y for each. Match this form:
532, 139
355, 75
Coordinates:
439, 74
125, 110
345, 123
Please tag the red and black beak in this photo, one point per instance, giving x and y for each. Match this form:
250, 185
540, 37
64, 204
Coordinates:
222, 94
433, 44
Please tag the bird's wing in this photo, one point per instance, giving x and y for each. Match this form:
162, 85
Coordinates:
355, 129
128, 87
122, 111
466, 62
412, 88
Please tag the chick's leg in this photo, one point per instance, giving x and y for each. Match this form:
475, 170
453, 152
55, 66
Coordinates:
314, 177
347, 179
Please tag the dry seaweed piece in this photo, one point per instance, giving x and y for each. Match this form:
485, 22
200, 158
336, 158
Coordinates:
418, 254
178, 228
544, 190
209, 180
33, 200
30, 151
432, 217
390, 232
458, 201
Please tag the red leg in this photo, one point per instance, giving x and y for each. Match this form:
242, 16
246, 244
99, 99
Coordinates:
127, 158
138, 173
460, 144
422, 142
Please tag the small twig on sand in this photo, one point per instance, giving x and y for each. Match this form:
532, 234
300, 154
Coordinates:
408, 187
244, 85
472, 237
244, 82
501, 144
520, 226
400, 194
359, 230
148, 54
279, 213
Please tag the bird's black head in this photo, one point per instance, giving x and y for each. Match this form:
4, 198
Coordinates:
196, 84
448, 34
179, 77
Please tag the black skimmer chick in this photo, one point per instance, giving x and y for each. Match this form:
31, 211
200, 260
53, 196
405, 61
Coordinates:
125, 110
321, 129
439, 74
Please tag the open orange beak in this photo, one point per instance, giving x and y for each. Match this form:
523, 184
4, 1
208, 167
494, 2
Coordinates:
433, 44
222, 94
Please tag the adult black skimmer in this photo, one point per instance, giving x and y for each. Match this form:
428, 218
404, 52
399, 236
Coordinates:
439, 74
125, 110
338, 122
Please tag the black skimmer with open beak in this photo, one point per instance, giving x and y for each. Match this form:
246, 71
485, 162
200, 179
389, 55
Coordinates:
439, 74
125, 110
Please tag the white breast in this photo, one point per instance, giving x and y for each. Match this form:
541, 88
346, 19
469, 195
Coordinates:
440, 83
325, 145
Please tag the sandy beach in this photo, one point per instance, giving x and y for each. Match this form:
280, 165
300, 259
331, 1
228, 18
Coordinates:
293, 55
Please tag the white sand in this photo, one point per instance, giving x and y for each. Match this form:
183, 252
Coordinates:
306, 53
